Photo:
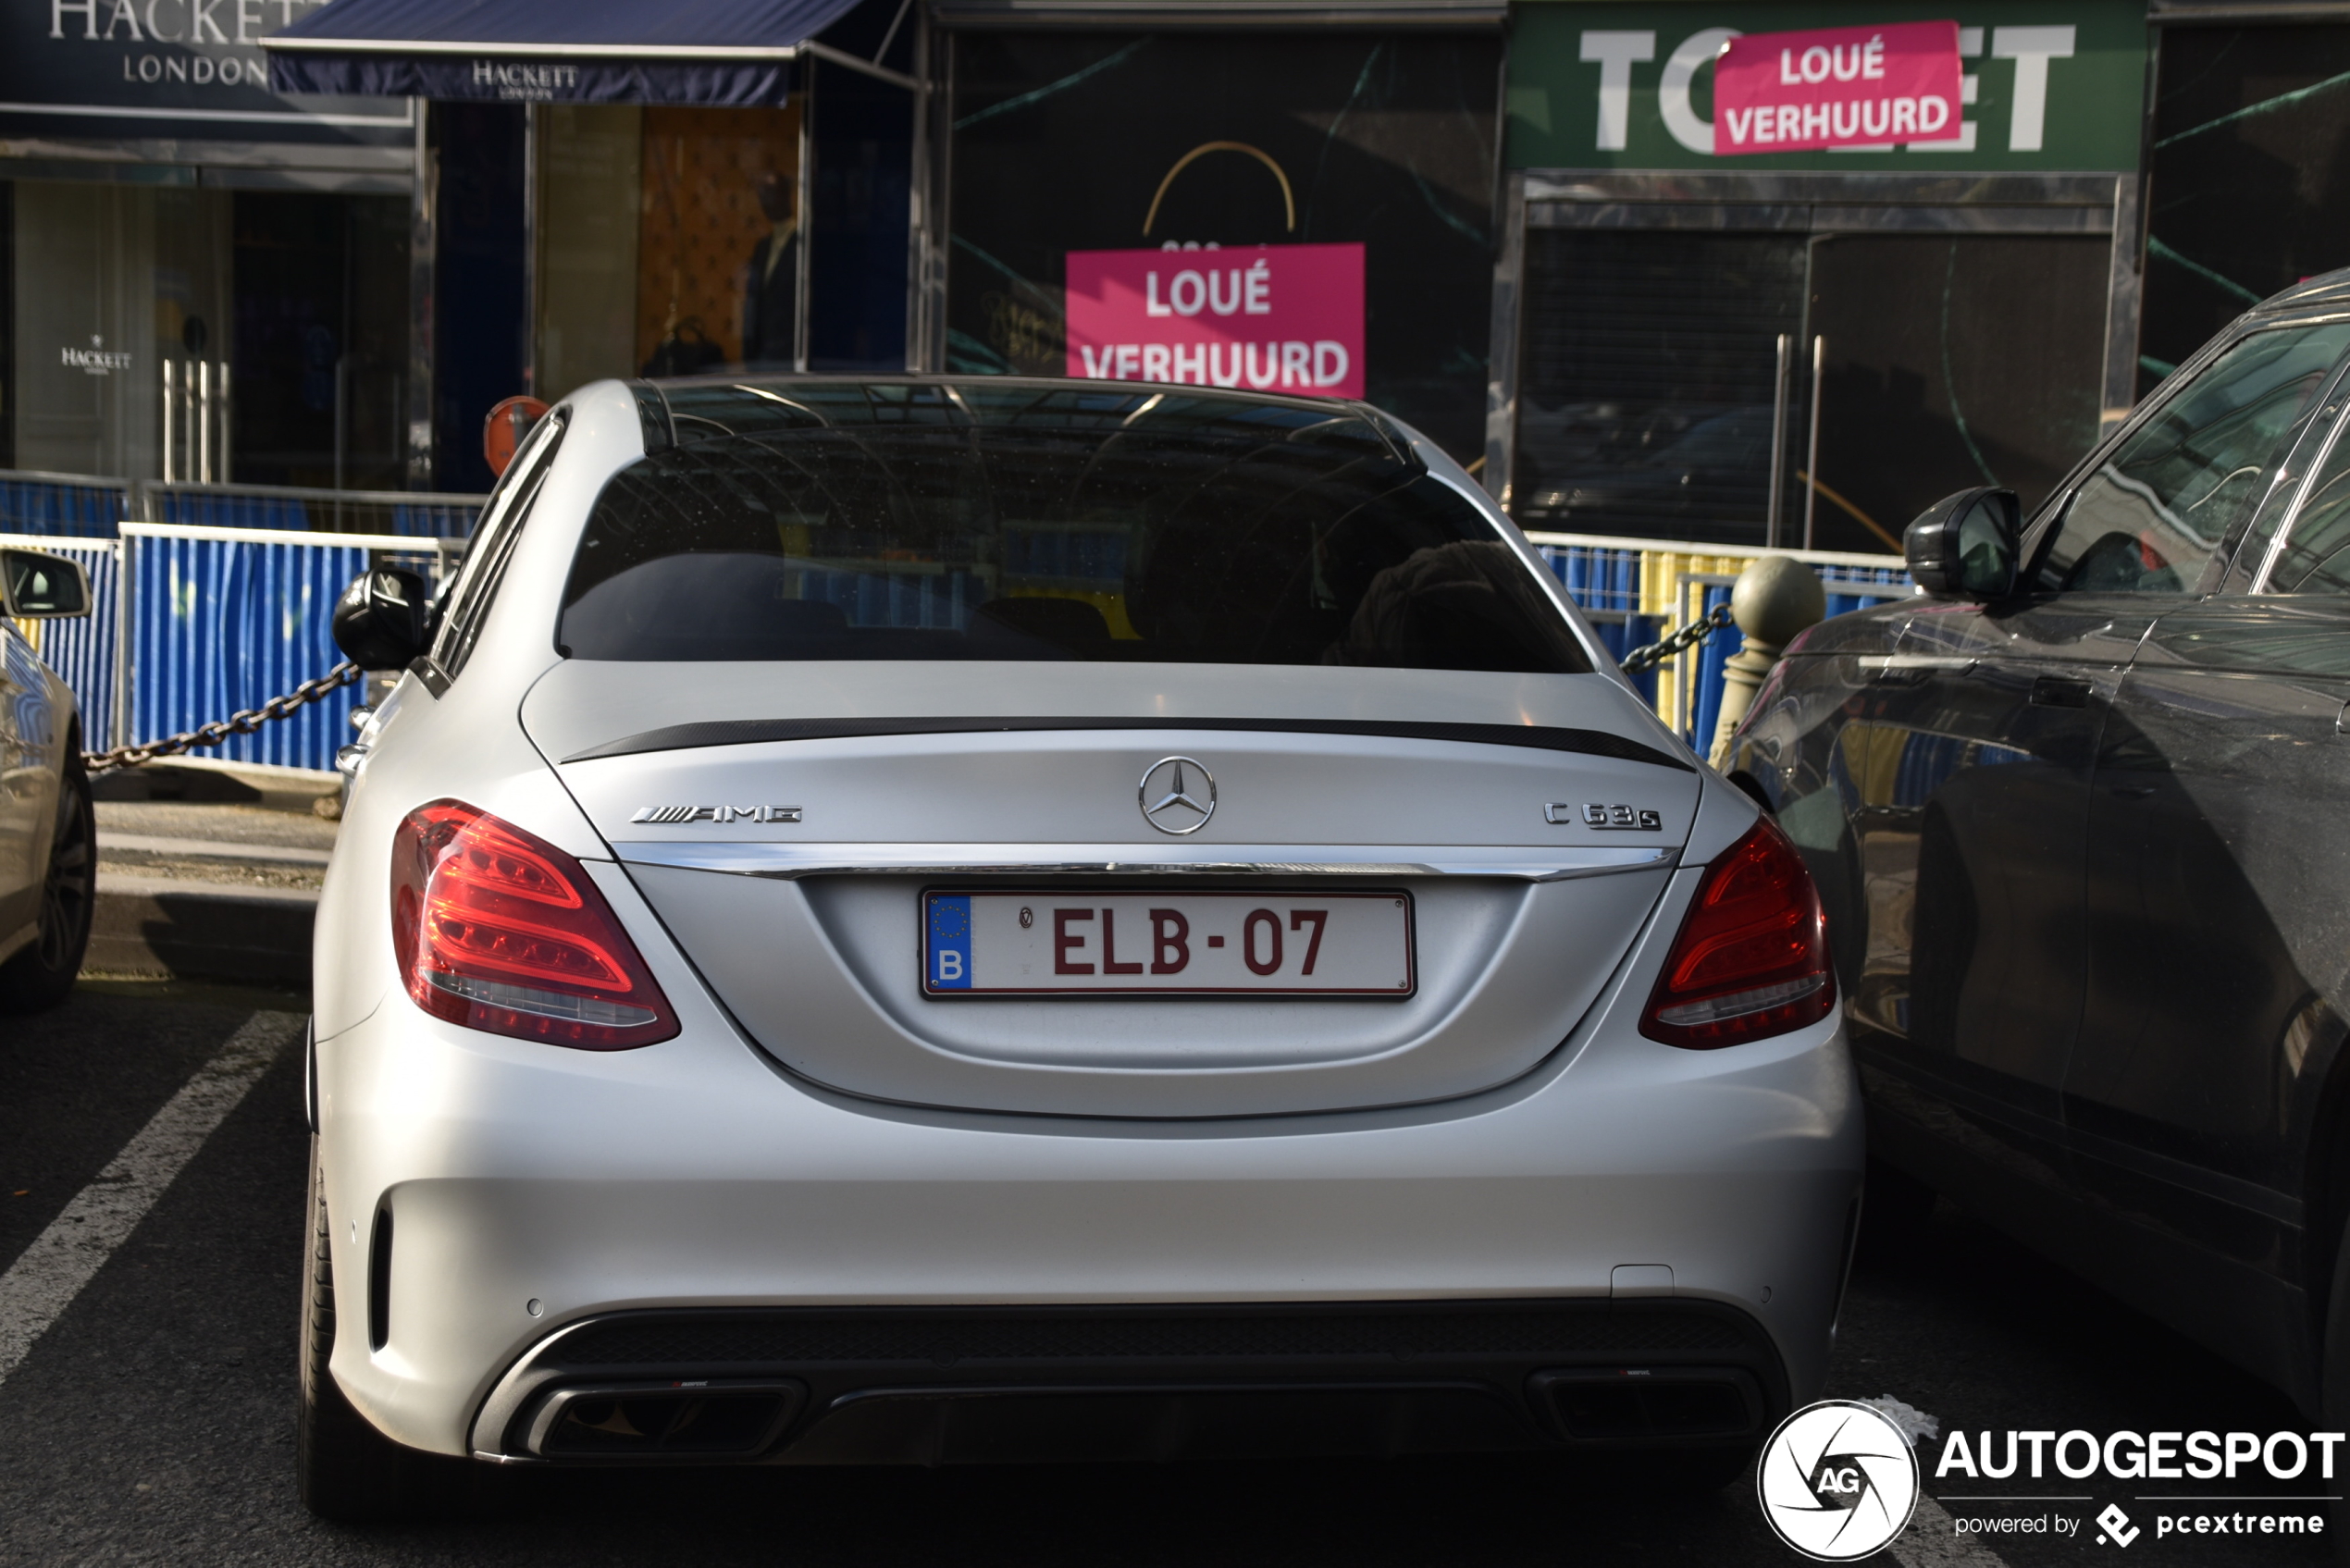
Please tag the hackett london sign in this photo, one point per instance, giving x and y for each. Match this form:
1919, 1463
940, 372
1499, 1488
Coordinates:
1286, 319
186, 70
1835, 87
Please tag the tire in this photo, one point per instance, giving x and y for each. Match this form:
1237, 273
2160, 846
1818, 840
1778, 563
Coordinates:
347, 1471
41, 975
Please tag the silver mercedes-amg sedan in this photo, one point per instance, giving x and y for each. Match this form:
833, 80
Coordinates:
930, 920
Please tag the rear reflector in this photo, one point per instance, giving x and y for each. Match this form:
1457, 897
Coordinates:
1752, 958
499, 930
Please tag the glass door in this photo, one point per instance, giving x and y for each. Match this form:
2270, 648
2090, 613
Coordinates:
1950, 359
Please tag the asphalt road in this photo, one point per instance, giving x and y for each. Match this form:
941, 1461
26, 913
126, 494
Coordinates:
152, 1421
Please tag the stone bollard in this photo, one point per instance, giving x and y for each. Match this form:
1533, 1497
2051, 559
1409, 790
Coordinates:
1775, 599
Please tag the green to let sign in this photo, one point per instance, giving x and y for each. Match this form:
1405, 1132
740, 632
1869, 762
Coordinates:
2047, 86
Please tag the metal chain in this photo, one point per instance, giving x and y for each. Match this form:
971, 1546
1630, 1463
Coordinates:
243, 723
1642, 660
1638, 661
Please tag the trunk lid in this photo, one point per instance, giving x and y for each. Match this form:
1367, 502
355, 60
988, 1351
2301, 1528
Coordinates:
785, 822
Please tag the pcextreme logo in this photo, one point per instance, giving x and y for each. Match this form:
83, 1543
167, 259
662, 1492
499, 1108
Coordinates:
1837, 1481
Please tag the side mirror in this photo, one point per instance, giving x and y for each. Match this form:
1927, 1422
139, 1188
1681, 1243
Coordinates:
1965, 546
384, 620
42, 587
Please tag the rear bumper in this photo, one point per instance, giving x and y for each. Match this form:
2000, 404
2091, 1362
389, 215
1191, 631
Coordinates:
533, 1190
944, 1385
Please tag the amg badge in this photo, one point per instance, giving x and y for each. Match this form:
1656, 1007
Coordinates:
679, 814
1591, 814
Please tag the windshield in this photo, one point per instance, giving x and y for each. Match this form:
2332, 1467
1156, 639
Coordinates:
796, 520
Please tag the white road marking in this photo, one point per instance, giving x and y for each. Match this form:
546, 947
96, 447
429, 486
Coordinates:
47, 1275
1933, 1541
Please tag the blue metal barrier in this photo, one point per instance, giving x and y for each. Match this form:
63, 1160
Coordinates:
62, 505
79, 506
82, 650
418, 515
222, 619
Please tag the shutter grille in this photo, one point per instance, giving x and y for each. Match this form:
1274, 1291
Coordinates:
1645, 401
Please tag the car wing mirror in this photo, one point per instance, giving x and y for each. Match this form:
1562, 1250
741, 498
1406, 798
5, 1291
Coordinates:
42, 587
1967, 545
384, 619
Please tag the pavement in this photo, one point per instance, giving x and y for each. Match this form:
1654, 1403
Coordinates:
151, 1213
208, 871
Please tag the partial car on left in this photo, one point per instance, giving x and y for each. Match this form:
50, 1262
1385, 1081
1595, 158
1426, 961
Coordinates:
48, 838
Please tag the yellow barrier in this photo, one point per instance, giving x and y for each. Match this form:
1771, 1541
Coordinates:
1673, 577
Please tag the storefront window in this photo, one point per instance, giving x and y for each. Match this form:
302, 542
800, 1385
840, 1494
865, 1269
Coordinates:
109, 280
321, 347
1647, 400
1066, 142
293, 307
2251, 146
668, 241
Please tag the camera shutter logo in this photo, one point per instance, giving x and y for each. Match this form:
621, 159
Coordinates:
1837, 1481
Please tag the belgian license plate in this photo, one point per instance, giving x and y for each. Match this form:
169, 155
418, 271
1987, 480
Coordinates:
1081, 943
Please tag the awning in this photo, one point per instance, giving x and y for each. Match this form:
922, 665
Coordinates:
733, 54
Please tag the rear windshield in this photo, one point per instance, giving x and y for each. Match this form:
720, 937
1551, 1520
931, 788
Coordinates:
791, 520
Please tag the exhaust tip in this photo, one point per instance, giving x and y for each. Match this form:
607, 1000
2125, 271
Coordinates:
701, 1420
1634, 1404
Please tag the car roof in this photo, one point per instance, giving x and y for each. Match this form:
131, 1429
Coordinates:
684, 410
742, 382
2324, 294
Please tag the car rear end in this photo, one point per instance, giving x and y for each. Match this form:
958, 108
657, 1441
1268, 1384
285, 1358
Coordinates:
944, 922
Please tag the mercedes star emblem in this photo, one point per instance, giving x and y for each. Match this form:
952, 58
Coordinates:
1178, 796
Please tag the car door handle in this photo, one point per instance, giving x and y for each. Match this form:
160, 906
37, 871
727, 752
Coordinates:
2133, 791
2059, 691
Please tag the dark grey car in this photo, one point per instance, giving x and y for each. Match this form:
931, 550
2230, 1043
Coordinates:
2081, 814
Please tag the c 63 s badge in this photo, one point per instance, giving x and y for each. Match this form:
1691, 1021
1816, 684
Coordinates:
668, 816
1595, 814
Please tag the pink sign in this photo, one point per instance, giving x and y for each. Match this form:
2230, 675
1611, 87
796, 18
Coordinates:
1274, 319
1836, 87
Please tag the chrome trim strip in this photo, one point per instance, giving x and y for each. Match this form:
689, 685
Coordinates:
788, 863
1871, 662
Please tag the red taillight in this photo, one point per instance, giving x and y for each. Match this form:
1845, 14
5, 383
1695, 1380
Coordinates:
1752, 956
499, 930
